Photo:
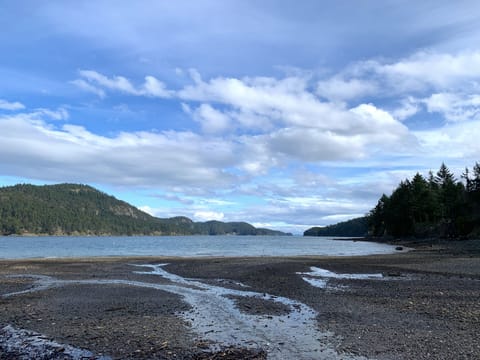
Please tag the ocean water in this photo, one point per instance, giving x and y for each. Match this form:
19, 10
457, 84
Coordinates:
12, 247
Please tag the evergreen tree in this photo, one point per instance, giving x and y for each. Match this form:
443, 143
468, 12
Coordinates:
377, 217
440, 206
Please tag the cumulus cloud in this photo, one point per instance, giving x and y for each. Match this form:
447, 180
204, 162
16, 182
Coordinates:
456, 143
11, 106
154, 87
315, 145
428, 78
421, 72
338, 89
440, 70
96, 83
408, 107
300, 124
33, 148
208, 215
148, 209
212, 121
290, 119
365, 130
453, 106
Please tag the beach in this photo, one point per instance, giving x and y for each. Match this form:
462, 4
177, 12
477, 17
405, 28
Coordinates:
422, 304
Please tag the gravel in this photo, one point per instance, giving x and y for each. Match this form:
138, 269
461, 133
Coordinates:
425, 307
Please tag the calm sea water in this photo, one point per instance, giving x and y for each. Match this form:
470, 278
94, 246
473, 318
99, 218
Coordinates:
185, 246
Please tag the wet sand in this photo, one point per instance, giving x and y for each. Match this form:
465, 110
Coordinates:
419, 305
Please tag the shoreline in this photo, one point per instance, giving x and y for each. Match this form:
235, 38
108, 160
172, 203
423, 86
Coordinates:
426, 305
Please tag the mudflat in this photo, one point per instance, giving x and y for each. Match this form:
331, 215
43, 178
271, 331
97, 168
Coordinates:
422, 304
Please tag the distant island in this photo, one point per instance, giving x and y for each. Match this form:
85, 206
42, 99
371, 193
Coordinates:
75, 209
439, 206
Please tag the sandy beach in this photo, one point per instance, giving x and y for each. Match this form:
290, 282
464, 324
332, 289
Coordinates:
421, 304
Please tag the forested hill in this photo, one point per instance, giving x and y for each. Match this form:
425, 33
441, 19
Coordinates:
439, 206
73, 209
352, 228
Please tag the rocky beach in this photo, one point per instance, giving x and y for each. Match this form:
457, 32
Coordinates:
421, 304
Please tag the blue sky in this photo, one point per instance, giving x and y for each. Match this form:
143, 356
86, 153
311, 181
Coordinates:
285, 114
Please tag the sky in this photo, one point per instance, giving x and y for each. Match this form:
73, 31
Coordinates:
285, 114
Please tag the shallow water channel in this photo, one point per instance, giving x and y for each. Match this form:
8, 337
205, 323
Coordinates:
215, 317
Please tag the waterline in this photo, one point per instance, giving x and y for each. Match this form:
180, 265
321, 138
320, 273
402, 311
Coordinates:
184, 246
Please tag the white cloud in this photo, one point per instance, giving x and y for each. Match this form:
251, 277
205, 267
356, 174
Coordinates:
315, 145
118, 83
338, 89
290, 120
412, 78
314, 210
454, 107
155, 88
32, 148
436, 69
95, 82
456, 143
211, 120
252, 121
408, 107
295, 123
217, 202
149, 210
257, 158
365, 130
208, 215
11, 106
285, 100
419, 73
59, 114
84, 85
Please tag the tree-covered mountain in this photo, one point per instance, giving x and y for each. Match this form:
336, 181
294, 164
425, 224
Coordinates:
73, 209
351, 228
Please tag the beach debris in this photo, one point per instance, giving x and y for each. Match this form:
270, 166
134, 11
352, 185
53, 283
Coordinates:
232, 353
25, 344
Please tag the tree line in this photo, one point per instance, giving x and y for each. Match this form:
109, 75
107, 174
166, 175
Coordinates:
351, 228
439, 205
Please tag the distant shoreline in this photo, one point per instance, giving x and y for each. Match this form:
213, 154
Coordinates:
138, 235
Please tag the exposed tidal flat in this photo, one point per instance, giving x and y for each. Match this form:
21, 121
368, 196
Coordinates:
408, 305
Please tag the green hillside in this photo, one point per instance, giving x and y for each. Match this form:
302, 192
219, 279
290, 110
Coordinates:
351, 228
73, 209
